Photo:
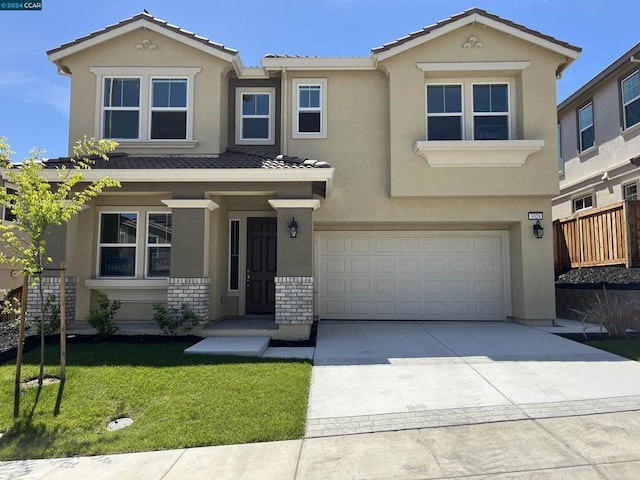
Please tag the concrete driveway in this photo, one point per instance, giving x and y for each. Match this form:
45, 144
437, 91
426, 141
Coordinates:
381, 376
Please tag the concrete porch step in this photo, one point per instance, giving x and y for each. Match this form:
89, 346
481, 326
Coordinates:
242, 346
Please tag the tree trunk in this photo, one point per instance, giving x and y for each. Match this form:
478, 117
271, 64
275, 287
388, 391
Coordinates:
42, 319
23, 310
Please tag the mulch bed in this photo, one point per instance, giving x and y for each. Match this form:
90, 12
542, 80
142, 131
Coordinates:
615, 278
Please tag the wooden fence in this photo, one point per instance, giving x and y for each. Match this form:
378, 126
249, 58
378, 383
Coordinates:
600, 236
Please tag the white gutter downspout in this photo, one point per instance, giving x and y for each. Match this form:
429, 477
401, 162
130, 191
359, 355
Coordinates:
284, 113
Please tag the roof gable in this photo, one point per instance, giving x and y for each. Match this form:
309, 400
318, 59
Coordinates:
151, 23
474, 15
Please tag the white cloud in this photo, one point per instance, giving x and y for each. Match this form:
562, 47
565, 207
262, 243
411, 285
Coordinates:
35, 91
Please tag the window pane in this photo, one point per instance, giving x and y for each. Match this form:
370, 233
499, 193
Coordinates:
234, 247
8, 213
586, 138
631, 87
309, 122
122, 92
262, 104
631, 192
494, 127
233, 273
248, 104
481, 98
309, 96
118, 227
453, 98
168, 124
586, 116
255, 128
499, 100
170, 92
435, 98
158, 261
632, 114
117, 261
444, 128
121, 124
159, 228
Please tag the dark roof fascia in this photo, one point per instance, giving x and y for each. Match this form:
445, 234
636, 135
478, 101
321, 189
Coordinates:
615, 67
149, 18
467, 13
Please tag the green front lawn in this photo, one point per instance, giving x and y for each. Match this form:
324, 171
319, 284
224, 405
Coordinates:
175, 400
625, 347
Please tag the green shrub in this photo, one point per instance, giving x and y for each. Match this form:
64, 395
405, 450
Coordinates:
173, 321
611, 313
102, 317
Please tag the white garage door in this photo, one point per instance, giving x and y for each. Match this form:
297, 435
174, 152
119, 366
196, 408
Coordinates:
412, 275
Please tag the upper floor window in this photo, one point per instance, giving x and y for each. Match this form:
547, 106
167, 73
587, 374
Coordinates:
630, 191
480, 111
582, 203
145, 103
169, 108
121, 108
254, 116
310, 105
585, 127
491, 112
631, 99
444, 112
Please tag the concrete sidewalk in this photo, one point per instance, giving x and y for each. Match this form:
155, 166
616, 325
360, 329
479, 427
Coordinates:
603, 446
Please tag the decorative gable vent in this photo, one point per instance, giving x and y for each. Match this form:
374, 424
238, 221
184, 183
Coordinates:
473, 42
146, 45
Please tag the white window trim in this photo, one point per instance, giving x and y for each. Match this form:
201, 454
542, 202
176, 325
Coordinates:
141, 241
630, 184
582, 196
461, 115
467, 103
167, 109
148, 245
582, 129
146, 74
624, 105
492, 114
240, 91
311, 82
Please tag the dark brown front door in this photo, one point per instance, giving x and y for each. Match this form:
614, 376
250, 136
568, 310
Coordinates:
261, 265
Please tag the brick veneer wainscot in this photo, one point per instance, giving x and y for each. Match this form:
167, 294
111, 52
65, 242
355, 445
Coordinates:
294, 300
193, 291
51, 286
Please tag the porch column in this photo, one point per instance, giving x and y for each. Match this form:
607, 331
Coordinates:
294, 281
189, 280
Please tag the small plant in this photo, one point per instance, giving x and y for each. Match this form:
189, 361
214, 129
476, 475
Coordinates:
611, 313
102, 317
175, 320
51, 321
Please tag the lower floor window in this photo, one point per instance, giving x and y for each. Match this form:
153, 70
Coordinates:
119, 251
582, 203
631, 191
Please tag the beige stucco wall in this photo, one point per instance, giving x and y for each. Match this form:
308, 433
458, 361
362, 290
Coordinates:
582, 173
210, 85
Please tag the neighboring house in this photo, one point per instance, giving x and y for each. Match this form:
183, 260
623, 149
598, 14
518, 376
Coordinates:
430, 153
599, 129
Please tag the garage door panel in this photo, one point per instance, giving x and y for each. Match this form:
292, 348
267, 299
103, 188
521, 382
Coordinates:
412, 275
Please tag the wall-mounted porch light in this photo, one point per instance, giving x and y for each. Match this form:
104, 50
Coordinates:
538, 230
293, 228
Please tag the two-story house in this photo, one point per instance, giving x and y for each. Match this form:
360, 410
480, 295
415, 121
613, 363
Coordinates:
599, 129
434, 157
599, 155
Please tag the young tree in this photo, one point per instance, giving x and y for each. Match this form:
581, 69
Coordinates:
38, 204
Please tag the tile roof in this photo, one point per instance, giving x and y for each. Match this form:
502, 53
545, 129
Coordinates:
150, 18
467, 13
232, 158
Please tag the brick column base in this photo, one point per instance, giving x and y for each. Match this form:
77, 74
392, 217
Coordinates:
294, 300
51, 286
194, 291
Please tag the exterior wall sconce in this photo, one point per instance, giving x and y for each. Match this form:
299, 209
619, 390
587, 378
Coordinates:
293, 228
538, 230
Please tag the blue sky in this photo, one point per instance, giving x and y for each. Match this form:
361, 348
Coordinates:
34, 99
